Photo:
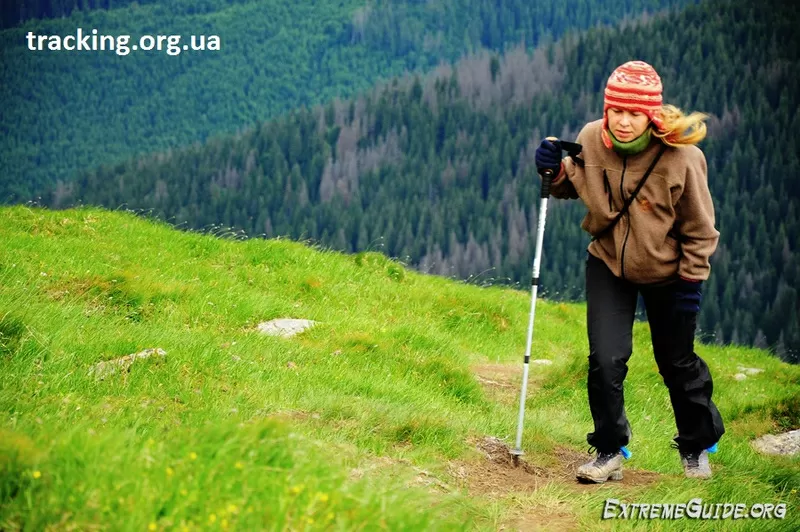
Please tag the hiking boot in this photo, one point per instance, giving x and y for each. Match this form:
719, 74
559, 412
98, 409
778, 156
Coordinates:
695, 464
605, 466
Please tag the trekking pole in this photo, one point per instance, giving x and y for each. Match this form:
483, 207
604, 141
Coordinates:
547, 177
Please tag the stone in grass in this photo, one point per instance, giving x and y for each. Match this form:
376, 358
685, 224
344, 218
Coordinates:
108, 367
786, 444
285, 327
749, 371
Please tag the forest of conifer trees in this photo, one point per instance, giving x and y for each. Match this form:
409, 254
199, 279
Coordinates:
438, 170
68, 111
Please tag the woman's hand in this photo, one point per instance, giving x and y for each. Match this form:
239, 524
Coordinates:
688, 295
548, 155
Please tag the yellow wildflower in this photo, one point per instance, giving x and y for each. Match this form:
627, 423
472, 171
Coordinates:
192, 455
212, 518
170, 472
152, 526
233, 509
239, 465
322, 497
37, 474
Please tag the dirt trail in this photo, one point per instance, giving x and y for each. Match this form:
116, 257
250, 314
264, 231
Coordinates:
498, 476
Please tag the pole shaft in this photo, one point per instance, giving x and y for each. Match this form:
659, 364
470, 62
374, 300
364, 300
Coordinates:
537, 261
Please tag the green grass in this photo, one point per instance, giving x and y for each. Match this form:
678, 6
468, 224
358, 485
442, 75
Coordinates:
342, 427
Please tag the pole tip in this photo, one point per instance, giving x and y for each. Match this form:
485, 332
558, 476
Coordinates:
515, 454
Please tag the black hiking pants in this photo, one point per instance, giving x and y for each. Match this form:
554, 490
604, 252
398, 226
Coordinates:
611, 308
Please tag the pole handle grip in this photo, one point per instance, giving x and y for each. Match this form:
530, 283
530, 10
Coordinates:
547, 179
547, 173
572, 148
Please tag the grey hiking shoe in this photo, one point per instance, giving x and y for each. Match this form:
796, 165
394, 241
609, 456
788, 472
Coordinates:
605, 466
695, 464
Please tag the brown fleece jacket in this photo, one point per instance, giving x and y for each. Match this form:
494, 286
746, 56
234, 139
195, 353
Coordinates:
669, 228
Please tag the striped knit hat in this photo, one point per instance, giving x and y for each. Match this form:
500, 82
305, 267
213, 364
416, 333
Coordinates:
634, 86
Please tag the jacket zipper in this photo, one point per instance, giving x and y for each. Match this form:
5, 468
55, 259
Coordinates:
628, 228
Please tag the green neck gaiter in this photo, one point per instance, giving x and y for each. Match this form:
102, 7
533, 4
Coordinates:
637, 145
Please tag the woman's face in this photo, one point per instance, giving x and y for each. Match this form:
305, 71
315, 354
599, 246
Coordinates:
627, 125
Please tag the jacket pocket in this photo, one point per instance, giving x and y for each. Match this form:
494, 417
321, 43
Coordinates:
672, 241
607, 188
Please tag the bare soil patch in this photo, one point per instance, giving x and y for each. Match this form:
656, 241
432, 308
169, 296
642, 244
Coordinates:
499, 475
502, 382
495, 475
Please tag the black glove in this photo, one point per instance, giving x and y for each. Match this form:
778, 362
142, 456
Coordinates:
688, 295
548, 155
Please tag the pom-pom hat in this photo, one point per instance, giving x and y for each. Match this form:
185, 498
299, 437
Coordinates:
634, 86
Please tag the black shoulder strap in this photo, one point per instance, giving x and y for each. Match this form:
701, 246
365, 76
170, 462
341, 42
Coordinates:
630, 199
573, 150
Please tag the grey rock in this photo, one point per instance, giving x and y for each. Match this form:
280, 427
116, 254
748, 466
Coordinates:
786, 444
749, 371
108, 367
285, 327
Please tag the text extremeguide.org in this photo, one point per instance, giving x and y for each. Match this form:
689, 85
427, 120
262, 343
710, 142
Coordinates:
694, 509
93, 42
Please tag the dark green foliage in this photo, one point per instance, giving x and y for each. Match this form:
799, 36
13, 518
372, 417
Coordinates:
12, 329
67, 110
14, 12
17, 455
787, 414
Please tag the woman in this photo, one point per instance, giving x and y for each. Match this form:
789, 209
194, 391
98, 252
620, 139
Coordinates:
659, 247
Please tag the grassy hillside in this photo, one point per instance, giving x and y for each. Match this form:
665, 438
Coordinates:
381, 416
64, 111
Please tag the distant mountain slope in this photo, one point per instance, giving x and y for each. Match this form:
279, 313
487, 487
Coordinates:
15, 12
64, 111
439, 171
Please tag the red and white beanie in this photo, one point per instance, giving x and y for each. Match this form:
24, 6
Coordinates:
634, 86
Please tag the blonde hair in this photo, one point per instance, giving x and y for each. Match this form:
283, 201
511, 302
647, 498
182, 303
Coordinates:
680, 129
